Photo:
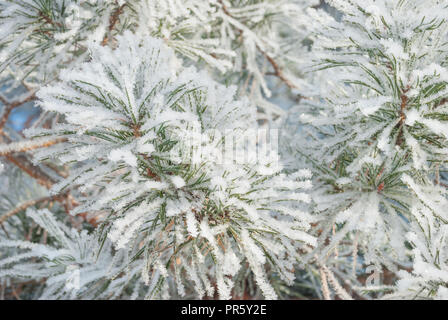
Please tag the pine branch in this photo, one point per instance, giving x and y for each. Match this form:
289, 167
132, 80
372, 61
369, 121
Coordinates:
48, 20
340, 291
278, 72
34, 171
324, 284
9, 106
114, 18
404, 101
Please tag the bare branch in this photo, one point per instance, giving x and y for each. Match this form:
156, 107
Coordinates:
278, 72
34, 171
28, 204
28, 145
112, 22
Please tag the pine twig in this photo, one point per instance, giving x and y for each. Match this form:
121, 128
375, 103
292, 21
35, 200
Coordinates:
28, 204
112, 22
35, 172
278, 72
340, 291
48, 20
355, 254
324, 282
403, 104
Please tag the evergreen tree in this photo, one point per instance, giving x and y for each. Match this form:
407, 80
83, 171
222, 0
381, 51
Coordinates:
148, 166
376, 135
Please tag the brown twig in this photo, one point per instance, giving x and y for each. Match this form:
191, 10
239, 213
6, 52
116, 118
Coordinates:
112, 22
22, 162
5, 231
441, 102
28, 204
404, 101
9, 106
28, 146
48, 20
278, 72
34, 171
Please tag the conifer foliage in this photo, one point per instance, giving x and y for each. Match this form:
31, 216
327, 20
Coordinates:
130, 116
378, 142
